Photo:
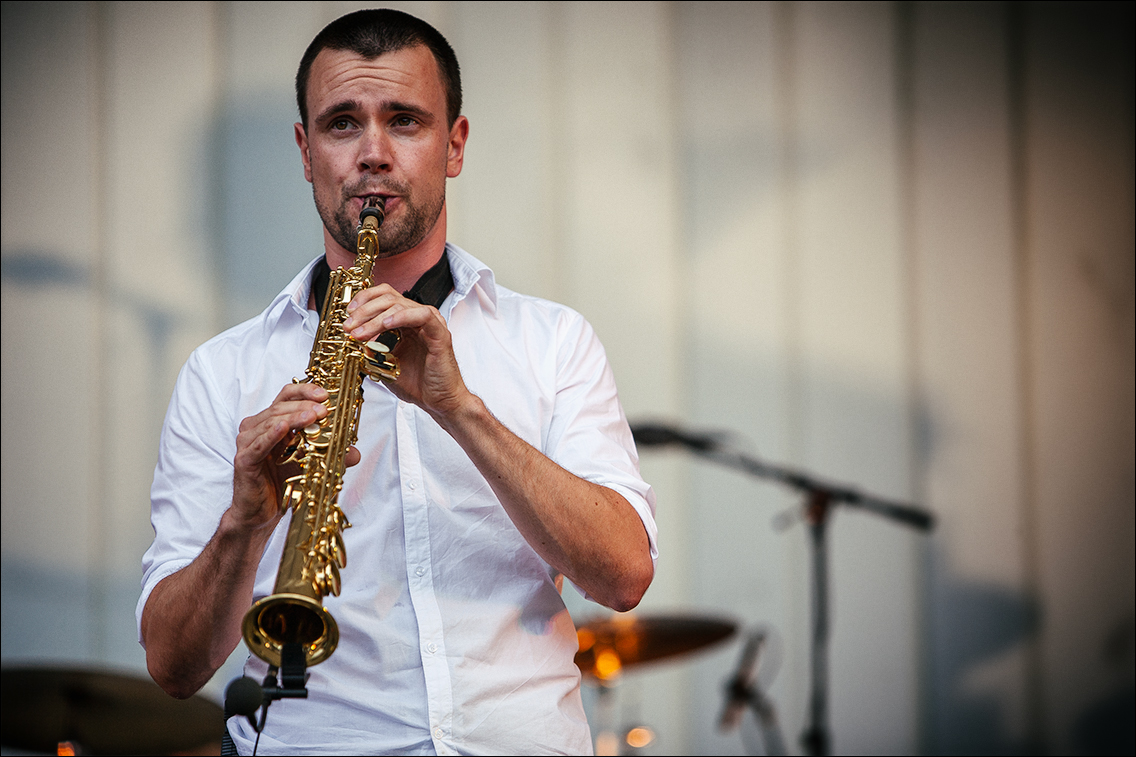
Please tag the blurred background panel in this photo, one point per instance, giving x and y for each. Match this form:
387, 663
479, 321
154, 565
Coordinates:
889, 243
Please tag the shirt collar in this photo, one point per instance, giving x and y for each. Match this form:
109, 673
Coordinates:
294, 298
471, 276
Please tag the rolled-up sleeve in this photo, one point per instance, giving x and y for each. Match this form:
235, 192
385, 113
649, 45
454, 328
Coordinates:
589, 434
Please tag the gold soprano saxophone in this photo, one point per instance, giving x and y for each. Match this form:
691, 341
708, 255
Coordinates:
314, 552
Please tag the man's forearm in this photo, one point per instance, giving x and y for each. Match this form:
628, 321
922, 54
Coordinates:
588, 532
192, 619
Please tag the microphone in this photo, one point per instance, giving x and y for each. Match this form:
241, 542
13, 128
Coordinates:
661, 435
243, 696
739, 689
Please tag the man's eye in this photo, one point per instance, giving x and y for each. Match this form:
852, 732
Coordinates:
340, 124
405, 121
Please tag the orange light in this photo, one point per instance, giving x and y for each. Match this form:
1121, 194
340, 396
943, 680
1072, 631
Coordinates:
607, 743
639, 737
66, 748
607, 664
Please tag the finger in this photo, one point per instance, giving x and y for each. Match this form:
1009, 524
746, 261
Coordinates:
352, 457
294, 414
367, 320
261, 435
423, 319
255, 444
368, 302
370, 294
293, 397
301, 391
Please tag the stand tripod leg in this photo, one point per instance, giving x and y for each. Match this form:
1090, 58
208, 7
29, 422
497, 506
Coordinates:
815, 739
770, 728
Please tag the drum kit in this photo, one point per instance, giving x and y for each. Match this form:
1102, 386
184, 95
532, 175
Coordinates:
59, 711
96, 712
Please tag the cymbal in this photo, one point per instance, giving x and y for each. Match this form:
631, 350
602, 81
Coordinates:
101, 713
608, 646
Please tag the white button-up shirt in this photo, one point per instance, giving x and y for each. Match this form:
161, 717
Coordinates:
453, 636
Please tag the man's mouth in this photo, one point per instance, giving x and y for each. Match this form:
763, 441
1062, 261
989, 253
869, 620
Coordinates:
367, 199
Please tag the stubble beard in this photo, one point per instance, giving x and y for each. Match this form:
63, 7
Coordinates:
395, 236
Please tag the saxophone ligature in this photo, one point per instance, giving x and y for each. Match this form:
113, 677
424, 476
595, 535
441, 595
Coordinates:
314, 552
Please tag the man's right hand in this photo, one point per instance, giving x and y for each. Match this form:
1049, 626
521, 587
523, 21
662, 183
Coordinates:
258, 477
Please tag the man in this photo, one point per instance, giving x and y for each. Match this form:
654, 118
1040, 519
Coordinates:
497, 463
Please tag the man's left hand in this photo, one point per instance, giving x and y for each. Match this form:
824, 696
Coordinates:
429, 375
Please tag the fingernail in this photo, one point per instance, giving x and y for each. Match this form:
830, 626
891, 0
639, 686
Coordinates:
351, 306
349, 324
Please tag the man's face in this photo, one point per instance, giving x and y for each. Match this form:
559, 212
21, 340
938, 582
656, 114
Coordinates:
378, 127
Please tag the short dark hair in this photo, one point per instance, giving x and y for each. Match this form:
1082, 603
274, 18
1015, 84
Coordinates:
372, 33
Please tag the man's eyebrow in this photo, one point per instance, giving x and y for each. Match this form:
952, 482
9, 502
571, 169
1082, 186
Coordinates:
347, 106
343, 106
396, 106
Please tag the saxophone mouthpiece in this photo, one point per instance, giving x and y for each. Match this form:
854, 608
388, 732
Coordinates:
374, 208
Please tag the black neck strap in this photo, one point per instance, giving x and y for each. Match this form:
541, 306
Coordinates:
431, 289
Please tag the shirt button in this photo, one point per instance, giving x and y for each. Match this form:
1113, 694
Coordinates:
431, 647
438, 733
420, 571
411, 486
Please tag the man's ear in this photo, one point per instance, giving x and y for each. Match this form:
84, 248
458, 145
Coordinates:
456, 155
305, 154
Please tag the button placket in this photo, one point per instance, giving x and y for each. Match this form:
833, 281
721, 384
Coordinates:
439, 691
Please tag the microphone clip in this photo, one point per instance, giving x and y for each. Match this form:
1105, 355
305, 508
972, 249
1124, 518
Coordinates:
244, 696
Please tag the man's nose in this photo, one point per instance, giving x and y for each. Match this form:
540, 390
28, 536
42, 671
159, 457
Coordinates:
374, 151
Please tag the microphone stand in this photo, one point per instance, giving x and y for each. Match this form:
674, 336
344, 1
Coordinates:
744, 690
820, 498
